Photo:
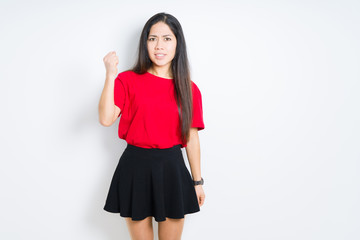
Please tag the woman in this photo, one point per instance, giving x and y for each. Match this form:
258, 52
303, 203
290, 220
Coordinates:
161, 112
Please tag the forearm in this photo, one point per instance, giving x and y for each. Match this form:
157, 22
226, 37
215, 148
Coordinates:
193, 154
106, 103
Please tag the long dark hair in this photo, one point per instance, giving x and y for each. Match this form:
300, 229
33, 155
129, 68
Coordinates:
179, 67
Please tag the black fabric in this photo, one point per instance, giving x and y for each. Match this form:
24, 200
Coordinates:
152, 182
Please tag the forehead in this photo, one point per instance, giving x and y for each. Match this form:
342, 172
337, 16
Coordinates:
160, 29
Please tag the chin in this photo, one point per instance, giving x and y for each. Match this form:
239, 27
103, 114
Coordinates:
161, 64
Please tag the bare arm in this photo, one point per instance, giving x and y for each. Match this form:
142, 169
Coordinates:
108, 111
193, 155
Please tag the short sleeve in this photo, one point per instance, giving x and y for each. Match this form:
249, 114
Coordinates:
119, 93
197, 120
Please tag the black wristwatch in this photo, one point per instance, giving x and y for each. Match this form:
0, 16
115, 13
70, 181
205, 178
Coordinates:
201, 182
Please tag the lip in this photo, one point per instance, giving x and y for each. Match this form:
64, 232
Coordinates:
160, 57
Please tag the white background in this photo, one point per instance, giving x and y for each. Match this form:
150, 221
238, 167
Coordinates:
280, 86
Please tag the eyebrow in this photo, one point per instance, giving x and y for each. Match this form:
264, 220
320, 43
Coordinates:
163, 35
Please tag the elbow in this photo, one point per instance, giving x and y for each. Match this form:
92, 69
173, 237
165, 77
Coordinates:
105, 122
105, 119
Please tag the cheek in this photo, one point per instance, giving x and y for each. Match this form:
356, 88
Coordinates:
150, 51
174, 49
150, 45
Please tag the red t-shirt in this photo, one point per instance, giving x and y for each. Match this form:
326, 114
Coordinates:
149, 113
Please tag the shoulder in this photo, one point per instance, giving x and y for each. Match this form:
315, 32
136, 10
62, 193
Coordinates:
126, 77
195, 88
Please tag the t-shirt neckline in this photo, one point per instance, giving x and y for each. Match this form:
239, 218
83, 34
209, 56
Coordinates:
158, 76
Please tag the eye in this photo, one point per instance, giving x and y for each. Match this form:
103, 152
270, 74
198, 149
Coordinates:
168, 38
151, 38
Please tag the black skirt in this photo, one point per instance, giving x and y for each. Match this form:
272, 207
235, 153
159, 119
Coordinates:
152, 182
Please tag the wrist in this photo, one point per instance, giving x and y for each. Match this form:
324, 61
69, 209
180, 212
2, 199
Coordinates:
111, 76
198, 182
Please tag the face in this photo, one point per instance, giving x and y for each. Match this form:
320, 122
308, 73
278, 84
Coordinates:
161, 40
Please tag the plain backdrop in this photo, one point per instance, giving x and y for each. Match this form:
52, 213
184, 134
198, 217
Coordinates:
280, 87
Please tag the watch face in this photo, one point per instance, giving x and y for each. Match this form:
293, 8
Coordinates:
201, 182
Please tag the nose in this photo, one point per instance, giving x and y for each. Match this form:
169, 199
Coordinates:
159, 44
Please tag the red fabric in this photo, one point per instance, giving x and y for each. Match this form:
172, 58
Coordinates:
149, 113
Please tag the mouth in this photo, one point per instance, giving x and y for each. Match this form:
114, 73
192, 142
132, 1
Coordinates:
160, 55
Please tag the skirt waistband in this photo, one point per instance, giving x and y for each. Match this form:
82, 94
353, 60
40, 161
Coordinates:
153, 150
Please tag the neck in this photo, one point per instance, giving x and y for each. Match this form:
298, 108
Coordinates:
161, 72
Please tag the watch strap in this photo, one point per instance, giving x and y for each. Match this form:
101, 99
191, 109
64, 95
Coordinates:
201, 182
